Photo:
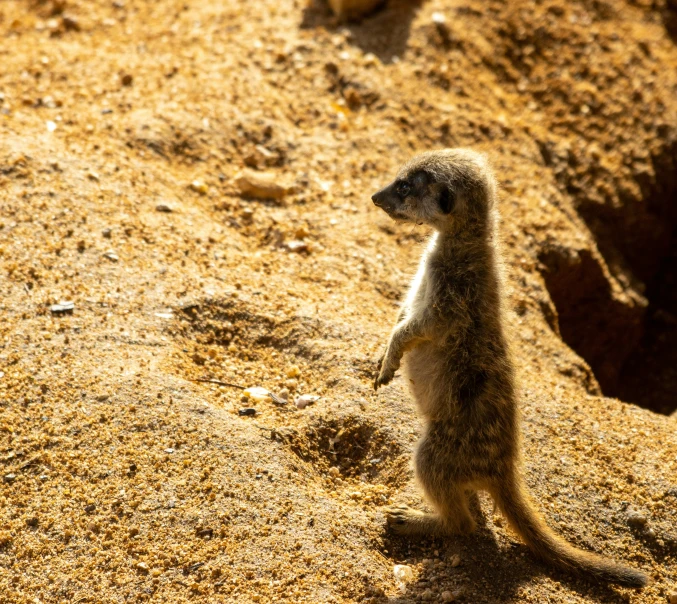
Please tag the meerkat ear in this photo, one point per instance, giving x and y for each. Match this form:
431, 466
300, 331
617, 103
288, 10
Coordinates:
446, 199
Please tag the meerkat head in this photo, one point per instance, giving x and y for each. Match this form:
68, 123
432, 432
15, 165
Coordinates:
449, 190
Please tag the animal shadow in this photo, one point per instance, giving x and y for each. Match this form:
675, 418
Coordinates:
383, 33
488, 571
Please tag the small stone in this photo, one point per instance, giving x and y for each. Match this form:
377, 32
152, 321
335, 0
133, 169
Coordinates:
133, 531
205, 533
296, 246
293, 371
142, 567
62, 308
256, 394
199, 187
102, 398
455, 561
90, 508
438, 18
247, 412
284, 394
304, 400
127, 79
637, 519
70, 23
334, 471
106, 233
263, 185
51, 126
447, 596
32, 522
112, 256
169, 450
427, 594
93, 175
163, 207
403, 573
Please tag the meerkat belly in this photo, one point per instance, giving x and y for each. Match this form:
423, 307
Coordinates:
425, 372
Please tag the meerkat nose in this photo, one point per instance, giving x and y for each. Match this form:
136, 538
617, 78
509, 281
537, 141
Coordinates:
376, 199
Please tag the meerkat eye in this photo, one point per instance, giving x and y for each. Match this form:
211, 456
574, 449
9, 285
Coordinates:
403, 188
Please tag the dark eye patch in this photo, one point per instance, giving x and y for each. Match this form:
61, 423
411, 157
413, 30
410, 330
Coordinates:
446, 200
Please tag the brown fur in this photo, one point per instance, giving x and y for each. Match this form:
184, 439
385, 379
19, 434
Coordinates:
458, 362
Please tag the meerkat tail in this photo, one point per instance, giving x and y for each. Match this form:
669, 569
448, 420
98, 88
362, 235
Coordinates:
512, 498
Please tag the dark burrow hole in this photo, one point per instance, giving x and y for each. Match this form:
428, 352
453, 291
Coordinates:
627, 334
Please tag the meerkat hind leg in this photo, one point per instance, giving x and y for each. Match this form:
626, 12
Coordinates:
404, 520
452, 517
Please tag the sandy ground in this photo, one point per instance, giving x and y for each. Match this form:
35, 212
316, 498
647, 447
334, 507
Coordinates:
124, 130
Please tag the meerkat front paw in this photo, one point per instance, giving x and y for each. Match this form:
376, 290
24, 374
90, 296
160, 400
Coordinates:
385, 369
385, 376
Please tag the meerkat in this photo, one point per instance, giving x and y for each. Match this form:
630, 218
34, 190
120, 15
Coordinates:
458, 362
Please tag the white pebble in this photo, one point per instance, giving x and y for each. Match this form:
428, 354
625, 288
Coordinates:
304, 400
403, 573
256, 393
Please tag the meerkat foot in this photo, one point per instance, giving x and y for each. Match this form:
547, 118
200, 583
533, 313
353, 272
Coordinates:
404, 520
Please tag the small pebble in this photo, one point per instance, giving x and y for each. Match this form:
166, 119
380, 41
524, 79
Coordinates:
141, 567
112, 256
62, 308
70, 23
163, 207
447, 596
51, 126
256, 394
33, 522
304, 400
293, 371
169, 450
403, 573
455, 561
199, 187
127, 79
247, 412
296, 246
90, 508
106, 233
637, 519
263, 185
